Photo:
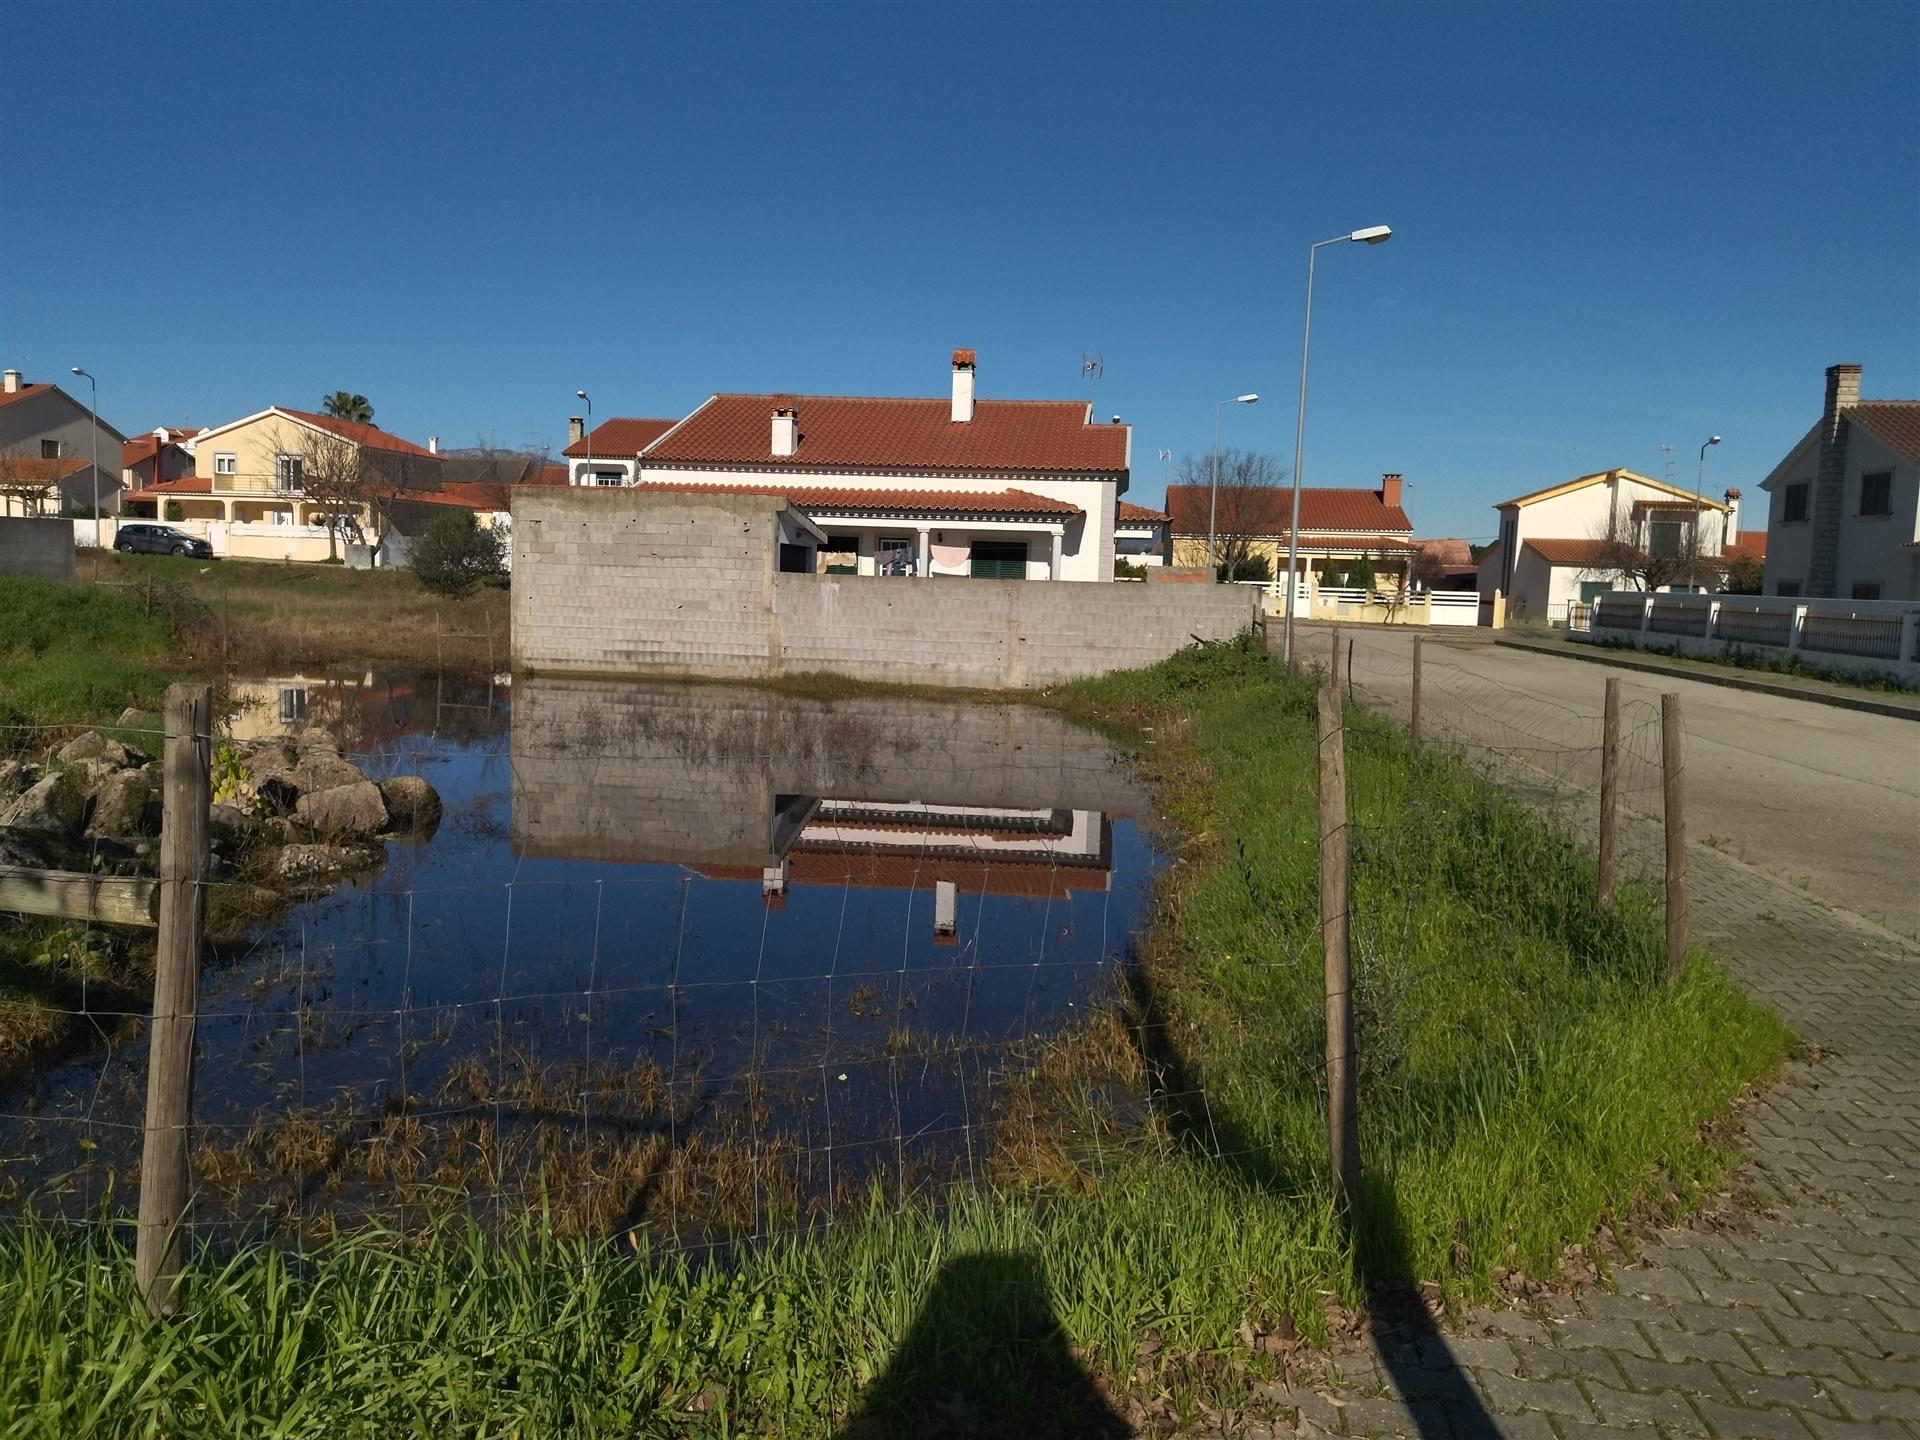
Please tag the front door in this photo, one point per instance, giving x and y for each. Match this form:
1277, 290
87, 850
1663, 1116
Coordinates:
998, 560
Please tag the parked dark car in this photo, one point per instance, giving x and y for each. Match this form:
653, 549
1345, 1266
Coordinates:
147, 539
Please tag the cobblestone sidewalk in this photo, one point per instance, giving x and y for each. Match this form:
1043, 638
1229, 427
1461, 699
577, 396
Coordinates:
1801, 1321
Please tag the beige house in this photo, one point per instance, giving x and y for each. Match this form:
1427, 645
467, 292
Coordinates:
287, 467
1561, 544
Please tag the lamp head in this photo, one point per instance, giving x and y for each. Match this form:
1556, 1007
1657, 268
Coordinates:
1372, 235
78, 371
1713, 440
581, 394
1245, 399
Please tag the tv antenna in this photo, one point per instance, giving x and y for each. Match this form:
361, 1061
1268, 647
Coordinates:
1166, 459
1666, 462
1091, 369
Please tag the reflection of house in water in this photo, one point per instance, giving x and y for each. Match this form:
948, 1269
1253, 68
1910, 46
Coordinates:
740, 785
360, 710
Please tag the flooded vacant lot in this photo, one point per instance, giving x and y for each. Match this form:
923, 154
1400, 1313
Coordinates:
689, 960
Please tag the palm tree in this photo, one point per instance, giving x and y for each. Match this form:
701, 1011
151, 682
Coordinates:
344, 405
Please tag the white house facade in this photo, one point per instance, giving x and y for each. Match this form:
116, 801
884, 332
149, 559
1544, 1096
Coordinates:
1554, 544
954, 486
1843, 507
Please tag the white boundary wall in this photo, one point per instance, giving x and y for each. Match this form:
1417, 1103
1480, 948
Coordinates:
1868, 637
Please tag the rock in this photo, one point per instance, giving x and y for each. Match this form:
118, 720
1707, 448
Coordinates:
301, 863
127, 757
317, 738
21, 850
121, 804
413, 805
15, 776
54, 804
324, 770
231, 822
82, 747
355, 809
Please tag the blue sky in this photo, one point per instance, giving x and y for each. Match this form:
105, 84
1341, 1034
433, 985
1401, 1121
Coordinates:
1615, 225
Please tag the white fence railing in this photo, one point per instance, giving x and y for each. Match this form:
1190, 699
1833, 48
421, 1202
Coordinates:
1864, 636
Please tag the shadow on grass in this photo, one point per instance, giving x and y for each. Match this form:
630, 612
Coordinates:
1438, 1393
985, 1357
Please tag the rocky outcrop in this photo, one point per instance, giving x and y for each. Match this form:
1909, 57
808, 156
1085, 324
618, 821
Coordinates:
126, 802
413, 806
54, 804
350, 809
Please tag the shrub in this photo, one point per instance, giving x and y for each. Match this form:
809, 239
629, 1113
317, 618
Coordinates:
175, 510
1249, 567
1124, 569
455, 553
1331, 576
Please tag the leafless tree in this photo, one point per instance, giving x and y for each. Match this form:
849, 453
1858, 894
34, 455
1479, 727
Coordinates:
352, 485
1652, 547
26, 482
1248, 505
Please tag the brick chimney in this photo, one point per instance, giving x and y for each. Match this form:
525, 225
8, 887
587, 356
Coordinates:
13, 382
1843, 392
964, 362
786, 431
1390, 490
576, 429
1732, 531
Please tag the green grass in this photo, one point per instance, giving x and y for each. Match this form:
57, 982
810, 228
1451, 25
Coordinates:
1526, 1076
75, 655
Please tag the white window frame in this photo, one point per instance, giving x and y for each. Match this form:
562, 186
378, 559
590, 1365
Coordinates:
289, 466
226, 462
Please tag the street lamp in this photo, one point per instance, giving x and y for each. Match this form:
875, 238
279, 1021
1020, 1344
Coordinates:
1699, 477
1213, 487
93, 412
588, 437
1372, 235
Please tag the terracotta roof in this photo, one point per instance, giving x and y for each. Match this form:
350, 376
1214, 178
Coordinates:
144, 447
549, 475
1569, 552
842, 432
371, 436
185, 485
1141, 514
621, 438
1897, 422
462, 495
1747, 542
827, 497
1450, 552
27, 390
24, 470
1041, 880
1331, 541
1270, 511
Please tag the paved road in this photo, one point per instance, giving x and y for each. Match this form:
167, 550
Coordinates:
1824, 799
1802, 1320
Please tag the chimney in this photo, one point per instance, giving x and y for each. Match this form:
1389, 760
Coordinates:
1732, 531
963, 367
13, 382
1823, 563
1390, 491
576, 429
433, 444
786, 428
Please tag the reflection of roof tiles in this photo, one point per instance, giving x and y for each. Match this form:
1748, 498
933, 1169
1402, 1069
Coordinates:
845, 431
1141, 514
1267, 511
1896, 422
1042, 880
620, 438
819, 497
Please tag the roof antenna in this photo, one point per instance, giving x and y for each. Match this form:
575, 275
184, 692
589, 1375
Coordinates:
1666, 462
1091, 368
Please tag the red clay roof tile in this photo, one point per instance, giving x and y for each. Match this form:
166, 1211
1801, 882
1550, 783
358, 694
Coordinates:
371, 436
1269, 512
829, 497
620, 438
1140, 514
1897, 422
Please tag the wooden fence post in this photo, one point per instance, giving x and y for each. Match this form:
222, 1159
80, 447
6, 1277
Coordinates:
1609, 793
1413, 720
176, 984
1672, 778
1343, 1133
1334, 666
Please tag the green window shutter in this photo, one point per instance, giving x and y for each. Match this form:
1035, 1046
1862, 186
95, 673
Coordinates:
998, 560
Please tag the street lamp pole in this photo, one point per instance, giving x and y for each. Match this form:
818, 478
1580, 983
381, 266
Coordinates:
1372, 235
588, 437
93, 413
1213, 485
1699, 478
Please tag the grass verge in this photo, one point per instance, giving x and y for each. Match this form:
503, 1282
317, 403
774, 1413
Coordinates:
1526, 1077
73, 655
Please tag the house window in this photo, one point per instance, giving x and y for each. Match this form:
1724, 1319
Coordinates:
893, 556
998, 560
1786, 587
49, 449
293, 704
608, 477
1664, 539
287, 472
1866, 589
1793, 505
1876, 495
226, 463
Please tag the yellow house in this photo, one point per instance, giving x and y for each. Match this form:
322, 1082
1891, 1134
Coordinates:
292, 467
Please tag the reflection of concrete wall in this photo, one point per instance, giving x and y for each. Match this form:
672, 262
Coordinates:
686, 773
40, 547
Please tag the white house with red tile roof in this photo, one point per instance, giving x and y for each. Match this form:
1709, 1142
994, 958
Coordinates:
954, 485
1140, 534
156, 457
1843, 511
1554, 546
610, 454
1339, 525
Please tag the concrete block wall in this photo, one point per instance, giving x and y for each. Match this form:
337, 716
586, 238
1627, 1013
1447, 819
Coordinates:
620, 582
40, 547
